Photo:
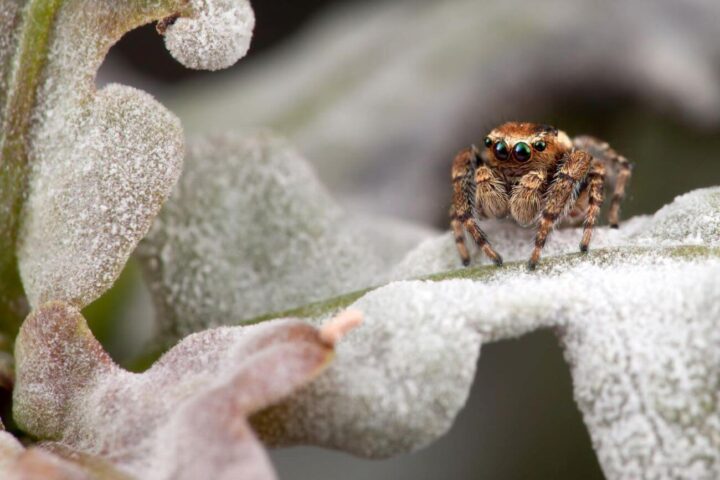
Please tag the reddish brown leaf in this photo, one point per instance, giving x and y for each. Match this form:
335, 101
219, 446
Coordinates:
186, 417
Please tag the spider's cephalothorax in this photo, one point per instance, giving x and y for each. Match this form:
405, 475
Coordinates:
538, 176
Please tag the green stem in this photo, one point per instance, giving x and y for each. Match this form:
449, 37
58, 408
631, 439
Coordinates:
36, 31
333, 305
24, 79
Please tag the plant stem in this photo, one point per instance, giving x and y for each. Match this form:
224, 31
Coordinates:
36, 31
333, 305
24, 79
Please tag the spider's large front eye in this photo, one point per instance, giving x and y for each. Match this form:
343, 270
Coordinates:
501, 150
487, 141
522, 152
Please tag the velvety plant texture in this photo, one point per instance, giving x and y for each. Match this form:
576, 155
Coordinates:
284, 318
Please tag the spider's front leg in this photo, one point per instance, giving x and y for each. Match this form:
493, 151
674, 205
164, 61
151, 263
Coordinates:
559, 198
462, 212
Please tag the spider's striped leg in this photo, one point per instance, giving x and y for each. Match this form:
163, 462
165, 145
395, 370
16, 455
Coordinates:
624, 172
481, 240
596, 195
463, 206
459, 234
560, 197
616, 164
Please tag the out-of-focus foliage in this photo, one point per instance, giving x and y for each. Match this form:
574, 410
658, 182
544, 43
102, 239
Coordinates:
250, 230
380, 95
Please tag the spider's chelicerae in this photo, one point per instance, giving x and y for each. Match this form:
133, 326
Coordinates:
538, 176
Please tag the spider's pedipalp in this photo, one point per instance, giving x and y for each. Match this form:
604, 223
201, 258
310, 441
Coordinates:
527, 197
491, 199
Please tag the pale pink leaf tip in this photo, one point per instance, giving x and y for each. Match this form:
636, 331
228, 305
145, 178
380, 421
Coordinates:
339, 326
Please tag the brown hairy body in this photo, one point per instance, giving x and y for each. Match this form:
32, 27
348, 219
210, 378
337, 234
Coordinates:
538, 176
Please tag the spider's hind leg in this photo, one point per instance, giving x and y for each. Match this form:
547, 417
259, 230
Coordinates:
616, 165
624, 172
459, 234
596, 195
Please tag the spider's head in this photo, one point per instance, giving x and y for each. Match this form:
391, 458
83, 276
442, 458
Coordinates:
525, 146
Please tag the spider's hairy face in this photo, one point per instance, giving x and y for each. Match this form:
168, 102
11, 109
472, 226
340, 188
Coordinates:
518, 147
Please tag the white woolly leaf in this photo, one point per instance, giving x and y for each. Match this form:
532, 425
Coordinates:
638, 317
93, 197
639, 325
85, 171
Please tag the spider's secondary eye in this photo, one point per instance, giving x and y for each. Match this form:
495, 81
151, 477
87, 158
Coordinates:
522, 152
539, 145
488, 142
501, 150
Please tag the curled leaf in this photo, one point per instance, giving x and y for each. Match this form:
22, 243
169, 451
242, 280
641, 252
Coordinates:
182, 419
93, 198
84, 172
215, 37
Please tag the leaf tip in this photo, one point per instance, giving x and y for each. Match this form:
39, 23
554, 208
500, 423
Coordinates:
339, 326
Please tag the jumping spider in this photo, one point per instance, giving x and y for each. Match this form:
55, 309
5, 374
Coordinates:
538, 176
